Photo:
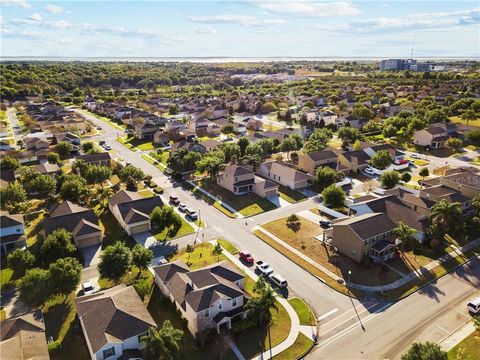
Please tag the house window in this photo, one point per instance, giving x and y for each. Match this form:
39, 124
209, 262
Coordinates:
234, 302
141, 336
279, 178
206, 313
220, 305
108, 352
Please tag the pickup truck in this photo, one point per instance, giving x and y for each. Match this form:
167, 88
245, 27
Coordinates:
263, 267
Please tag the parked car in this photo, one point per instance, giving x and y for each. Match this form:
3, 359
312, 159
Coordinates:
101, 142
414, 156
192, 214
174, 200
88, 288
128, 163
325, 224
99, 127
369, 171
474, 306
246, 256
107, 147
182, 207
278, 280
264, 268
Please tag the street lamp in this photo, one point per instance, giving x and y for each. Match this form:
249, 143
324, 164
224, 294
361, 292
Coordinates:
349, 275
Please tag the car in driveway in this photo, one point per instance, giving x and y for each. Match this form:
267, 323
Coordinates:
174, 200
99, 127
88, 288
414, 156
192, 214
246, 256
474, 306
278, 280
182, 207
325, 224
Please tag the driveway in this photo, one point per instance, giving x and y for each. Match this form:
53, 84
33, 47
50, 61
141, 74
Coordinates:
277, 201
91, 255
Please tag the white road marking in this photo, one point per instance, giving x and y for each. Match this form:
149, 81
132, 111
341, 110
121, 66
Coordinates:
461, 313
327, 314
441, 328
250, 219
347, 312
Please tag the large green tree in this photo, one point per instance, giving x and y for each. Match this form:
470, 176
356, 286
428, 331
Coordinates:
447, 216
34, 288
12, 196
58, 244
114, 261
381, 159
425, 351
325, 176
333, 196
389, 179
65, 275
141, 257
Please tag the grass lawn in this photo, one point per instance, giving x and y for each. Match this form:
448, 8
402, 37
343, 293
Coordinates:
227, 246
418, 162
60, 325
470, 346
247, 205
458, 119
186, 229
146, 193
303, 311
302, 238
124, 140
215, 204
162, 157
129, 278
201, 256
136, 143
2, 315
299, 348
292, 196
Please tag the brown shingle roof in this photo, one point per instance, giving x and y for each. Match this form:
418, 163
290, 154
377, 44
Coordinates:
7, 219
368, 225
73, 218
88, 158
322, 155
114, 314
237, 170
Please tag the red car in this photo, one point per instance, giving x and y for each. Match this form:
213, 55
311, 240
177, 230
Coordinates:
245, 256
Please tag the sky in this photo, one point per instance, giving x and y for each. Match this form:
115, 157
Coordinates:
248, 28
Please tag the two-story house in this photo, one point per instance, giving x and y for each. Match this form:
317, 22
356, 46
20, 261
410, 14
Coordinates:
363, 237
114, 321
281, 173
208, 298
102, 158
310, 162
12, 230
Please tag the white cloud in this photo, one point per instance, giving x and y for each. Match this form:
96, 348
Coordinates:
54, 9
19, 3
245, 20
308, 8
413, 22
205, 30
35, 17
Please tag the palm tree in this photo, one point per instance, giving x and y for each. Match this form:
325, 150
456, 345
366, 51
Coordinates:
406, 234
447, 215
162, 343
259, 307
177, 156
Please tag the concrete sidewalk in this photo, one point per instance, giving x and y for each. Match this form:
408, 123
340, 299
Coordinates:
295, 321
456, 337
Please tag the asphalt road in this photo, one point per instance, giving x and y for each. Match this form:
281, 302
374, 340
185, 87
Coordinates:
349, 329
16, 129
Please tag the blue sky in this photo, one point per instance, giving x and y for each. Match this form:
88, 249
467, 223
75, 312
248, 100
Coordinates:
239, 28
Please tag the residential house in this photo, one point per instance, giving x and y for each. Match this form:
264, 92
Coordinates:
7, 176
114, 321
81, 222
436, 135
208, 298
174, 126
12, 232
199, 126
23, 337
34, 143
5, 145
363, 237
68, 137
358, 160
241, 180
188, 146
397, 210
160, 138
102, 158
47, 168
132, 210
145, 130
211, 145
285, 175
310, 162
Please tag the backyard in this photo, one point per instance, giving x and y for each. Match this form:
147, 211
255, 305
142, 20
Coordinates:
247, 205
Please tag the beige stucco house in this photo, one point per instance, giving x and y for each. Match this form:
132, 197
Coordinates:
285, 175
310, 162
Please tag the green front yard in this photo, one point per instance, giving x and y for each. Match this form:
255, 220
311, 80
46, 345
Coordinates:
306, 316
202, 255
216, 204
164, 235
134, 143
247, 205
227, 246
470, 346
292, 196
299, 348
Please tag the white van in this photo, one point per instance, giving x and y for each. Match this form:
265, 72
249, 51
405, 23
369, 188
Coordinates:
474, 306
278, 280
